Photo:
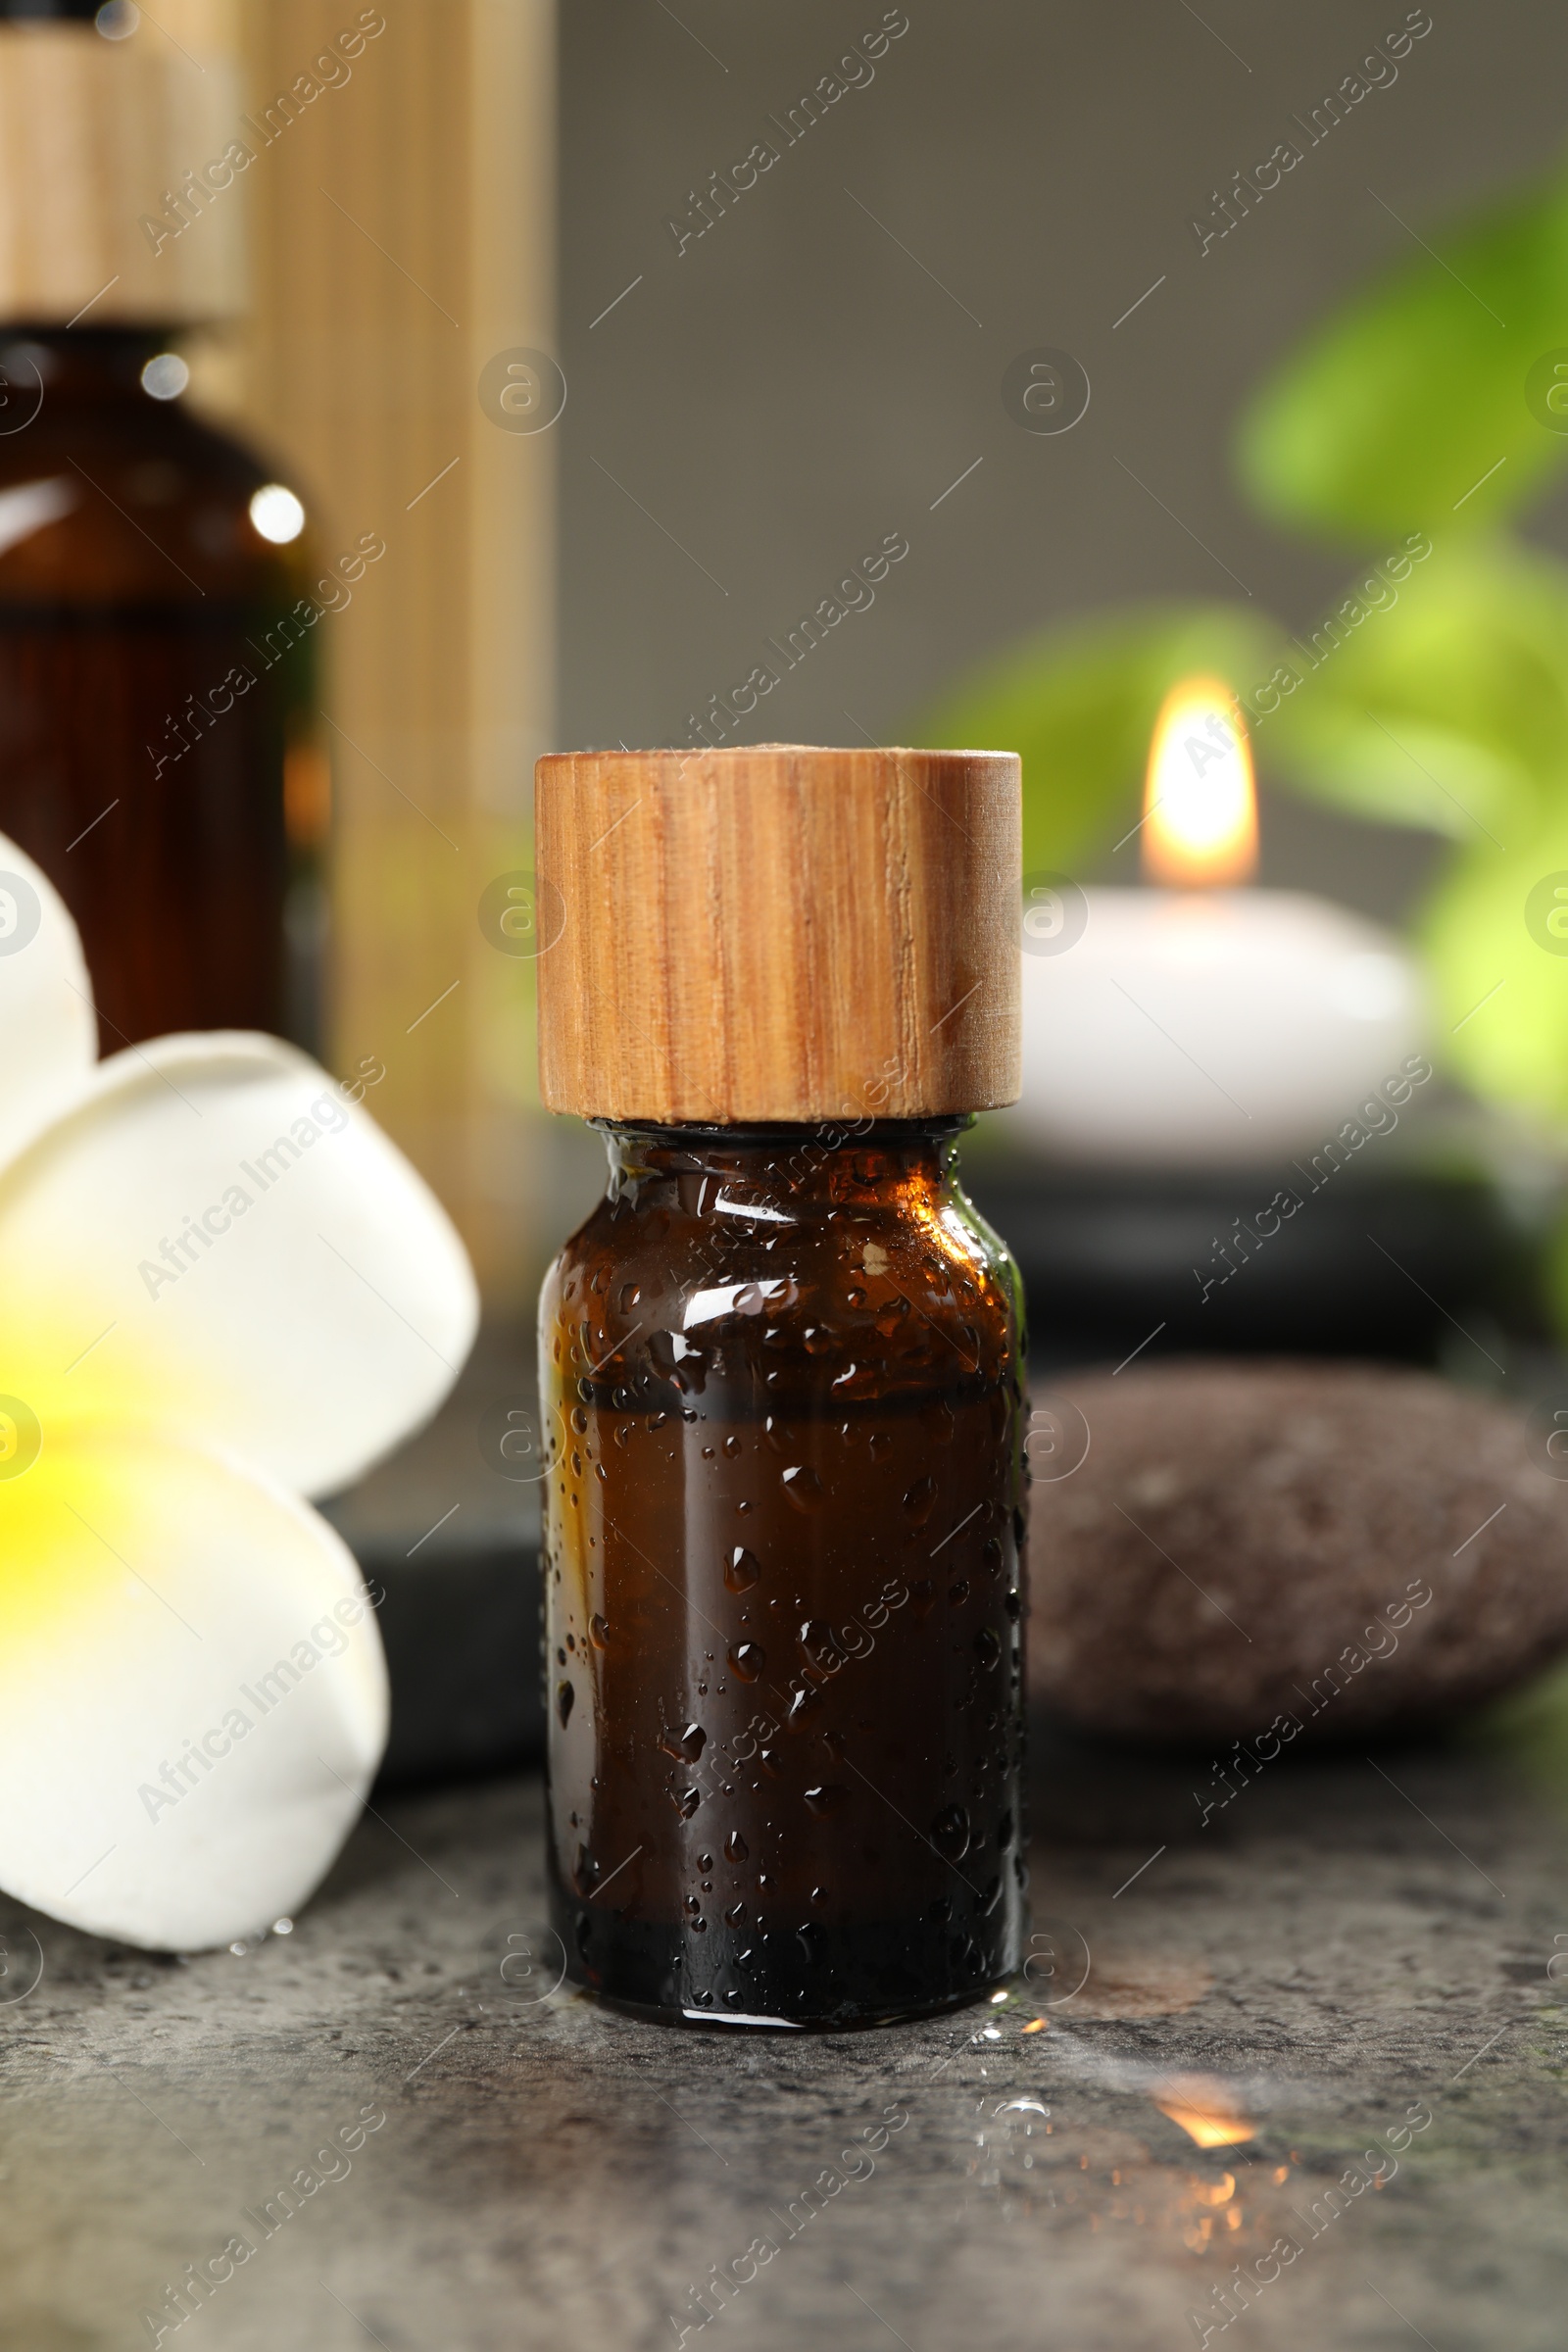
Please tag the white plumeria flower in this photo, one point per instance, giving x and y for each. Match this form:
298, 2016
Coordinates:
222, 1289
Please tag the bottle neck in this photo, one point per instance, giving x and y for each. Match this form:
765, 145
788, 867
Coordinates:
81, 363
861, 1160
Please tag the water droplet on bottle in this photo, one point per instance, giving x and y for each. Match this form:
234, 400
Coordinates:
735, 1847
579, 1420
802, 1706
810, 1939
919, 1497
733, 1447
950, 1833
686, 1801
1015, 1606
748, 1660
881, 1445
687, 1745
564, 1695
804, 1488
987, 1648
735, 1915
598, 1632
630, 1297
741, 1569
820, 1802
821, 1644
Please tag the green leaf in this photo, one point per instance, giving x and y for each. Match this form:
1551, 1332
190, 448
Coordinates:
1441, 699
1386, 421
1500, 985
1450, 709
1079, 702
1530, 1728
1556, 1278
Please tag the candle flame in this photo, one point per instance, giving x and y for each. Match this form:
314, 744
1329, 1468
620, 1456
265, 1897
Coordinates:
1200, 805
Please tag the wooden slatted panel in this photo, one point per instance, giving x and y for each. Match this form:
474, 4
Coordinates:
402, 235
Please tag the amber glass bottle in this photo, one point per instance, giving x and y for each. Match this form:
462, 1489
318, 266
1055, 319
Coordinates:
782, 1377
156, 628
783, 1367
151, 693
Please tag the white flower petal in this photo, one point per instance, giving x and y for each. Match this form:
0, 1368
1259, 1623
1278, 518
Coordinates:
192, 1692
216, 1240
48, 1029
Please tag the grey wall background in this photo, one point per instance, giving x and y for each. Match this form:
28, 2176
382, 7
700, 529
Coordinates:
764, 406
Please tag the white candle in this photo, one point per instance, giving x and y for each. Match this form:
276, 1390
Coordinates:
1197, 1026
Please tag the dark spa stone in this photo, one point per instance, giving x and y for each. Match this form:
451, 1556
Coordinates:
1345, 1545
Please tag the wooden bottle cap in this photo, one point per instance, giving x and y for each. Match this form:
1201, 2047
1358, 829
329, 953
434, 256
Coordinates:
778, 932
119, 196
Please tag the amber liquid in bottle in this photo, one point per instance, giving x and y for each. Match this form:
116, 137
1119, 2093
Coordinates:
782, 1383
152, 695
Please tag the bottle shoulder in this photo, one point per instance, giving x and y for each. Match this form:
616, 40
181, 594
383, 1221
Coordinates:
124, 500
848, 1299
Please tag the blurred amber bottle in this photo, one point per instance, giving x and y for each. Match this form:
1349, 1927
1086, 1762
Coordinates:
158, 752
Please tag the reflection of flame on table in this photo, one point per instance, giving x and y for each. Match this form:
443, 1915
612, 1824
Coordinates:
1213, 2192
1215, 2212
1205, 2109
1095, 2176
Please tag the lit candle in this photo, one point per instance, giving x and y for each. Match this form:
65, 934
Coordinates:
1199, 1023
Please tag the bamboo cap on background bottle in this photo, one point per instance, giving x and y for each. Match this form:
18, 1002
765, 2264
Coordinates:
105, 139
778, 932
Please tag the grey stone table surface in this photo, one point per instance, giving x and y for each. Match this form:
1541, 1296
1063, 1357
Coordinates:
1355, 1960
